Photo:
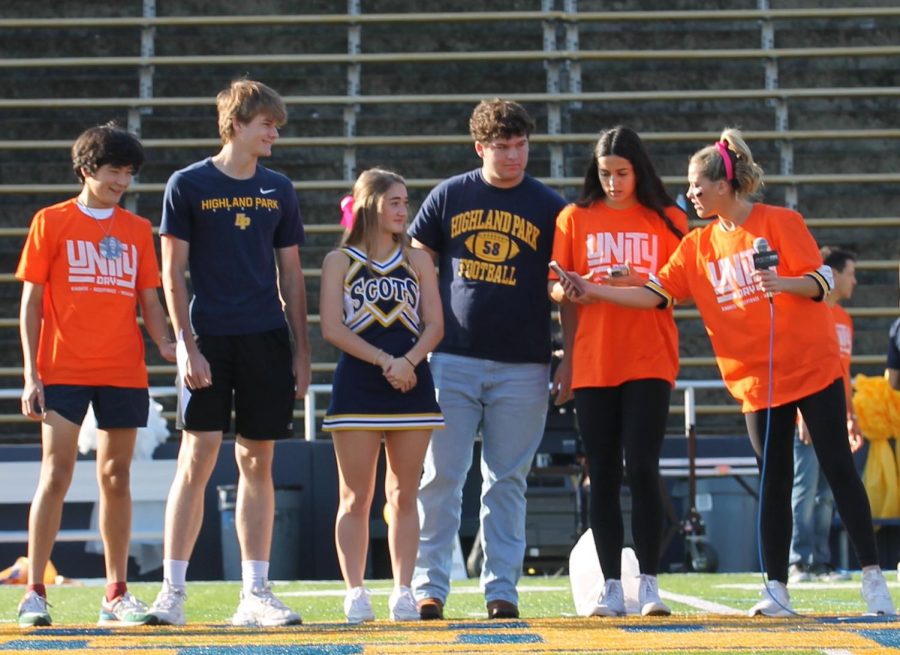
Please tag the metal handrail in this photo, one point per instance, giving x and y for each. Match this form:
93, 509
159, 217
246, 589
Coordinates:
428, 183
505, 56
107, 22
399, 140
471, 98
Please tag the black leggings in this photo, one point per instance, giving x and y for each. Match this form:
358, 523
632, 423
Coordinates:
825, 413
630, 418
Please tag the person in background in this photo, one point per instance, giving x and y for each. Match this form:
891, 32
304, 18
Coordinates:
624, 361
86, 267
491, 231
235, 227
892, 372
775, 346
812, 502
379, 305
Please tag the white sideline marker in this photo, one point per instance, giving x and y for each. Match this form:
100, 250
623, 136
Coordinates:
699, 603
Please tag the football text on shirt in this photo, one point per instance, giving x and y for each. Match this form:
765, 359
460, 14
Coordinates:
495, 240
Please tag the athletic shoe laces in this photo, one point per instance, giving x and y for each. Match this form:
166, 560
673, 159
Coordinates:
169, 598
125, 606
265, 596
33, 603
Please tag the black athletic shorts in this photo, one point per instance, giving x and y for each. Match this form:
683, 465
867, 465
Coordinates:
252, 374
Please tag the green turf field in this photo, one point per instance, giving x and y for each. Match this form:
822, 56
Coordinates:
709, 618
540, 597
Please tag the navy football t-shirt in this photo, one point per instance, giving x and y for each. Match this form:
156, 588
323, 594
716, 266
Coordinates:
493, 248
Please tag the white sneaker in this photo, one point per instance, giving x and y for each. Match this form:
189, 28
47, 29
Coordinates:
648, 595
611, 601
125, 610
775, 601
357, 606
261, 608
168, 608
402, 605
33, 611
875, 592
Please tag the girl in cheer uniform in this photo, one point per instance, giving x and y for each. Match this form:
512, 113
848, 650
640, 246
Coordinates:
379, 304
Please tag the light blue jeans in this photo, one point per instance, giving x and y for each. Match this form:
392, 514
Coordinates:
508, 403
813, 507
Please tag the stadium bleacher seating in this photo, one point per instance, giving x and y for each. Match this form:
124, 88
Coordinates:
814, 85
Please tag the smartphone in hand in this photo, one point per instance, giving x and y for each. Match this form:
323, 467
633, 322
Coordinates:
556, 268
563, 275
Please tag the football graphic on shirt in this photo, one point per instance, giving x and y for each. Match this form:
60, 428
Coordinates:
492, 246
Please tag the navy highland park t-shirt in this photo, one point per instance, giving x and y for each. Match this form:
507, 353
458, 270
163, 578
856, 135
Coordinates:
493, 248
233, 227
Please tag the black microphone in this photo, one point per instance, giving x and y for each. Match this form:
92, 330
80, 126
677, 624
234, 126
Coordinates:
764, 258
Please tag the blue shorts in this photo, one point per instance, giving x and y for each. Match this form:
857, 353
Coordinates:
114, 407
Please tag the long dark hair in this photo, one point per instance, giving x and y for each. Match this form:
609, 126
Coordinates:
624, 142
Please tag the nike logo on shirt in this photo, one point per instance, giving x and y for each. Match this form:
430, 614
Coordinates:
266, 191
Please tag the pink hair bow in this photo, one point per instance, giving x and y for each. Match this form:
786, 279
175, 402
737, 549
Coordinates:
347, 212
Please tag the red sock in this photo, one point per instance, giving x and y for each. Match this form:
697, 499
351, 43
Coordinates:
39, 589
115, 589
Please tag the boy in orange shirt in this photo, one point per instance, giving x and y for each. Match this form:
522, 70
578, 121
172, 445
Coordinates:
775, 346
86, 266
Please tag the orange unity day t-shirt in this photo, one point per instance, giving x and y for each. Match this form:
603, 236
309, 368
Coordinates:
616, 344
844, 330
714, 267
89, 332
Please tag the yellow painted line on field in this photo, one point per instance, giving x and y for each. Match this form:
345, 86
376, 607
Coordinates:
718, 634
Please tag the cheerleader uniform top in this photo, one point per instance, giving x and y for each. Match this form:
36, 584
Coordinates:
381, 303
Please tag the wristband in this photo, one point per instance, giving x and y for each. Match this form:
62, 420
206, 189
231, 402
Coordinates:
409, 360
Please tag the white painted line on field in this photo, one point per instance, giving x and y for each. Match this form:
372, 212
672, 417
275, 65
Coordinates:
386, 592
699, 603
836, 651
811, 586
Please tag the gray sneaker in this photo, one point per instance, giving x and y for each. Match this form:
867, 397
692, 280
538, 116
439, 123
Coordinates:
125, 610
33, 611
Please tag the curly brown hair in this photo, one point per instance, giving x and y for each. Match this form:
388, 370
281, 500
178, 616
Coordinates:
499, 119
